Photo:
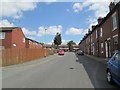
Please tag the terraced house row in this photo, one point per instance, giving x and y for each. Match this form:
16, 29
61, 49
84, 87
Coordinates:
104, 38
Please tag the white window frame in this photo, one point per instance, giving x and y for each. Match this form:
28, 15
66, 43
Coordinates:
96, 34
101, 32
114, 21
23, 40
91, 37
102, 45
2, 35
29, 42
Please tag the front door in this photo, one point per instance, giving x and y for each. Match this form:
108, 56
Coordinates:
106, 49
109, 51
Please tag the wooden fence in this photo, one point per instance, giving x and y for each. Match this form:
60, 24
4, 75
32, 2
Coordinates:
20, 55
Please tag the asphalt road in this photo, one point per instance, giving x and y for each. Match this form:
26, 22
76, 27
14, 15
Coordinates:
96, 71
68, 71
51, 72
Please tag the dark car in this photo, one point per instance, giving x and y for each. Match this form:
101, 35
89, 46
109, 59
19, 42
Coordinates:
113, 69
80, 52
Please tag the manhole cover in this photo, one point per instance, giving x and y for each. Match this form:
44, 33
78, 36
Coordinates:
71, 68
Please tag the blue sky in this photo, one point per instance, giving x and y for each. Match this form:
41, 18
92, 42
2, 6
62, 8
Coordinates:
71, 19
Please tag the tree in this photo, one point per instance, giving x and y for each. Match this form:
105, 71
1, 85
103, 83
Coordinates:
70, 43
57, 39
41, 43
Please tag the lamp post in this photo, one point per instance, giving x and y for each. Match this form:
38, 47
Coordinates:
45, 44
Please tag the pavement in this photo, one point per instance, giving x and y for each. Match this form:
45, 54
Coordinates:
99, 59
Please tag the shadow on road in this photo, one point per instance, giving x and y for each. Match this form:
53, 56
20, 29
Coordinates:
96, 72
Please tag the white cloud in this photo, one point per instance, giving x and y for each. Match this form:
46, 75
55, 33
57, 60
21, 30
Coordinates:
68, 10
27, 32
77, 7
65, 41
15, 9
99, 6
51, 30
6, 23
28, 0
92, 21
33, 38
74, 31
85, 31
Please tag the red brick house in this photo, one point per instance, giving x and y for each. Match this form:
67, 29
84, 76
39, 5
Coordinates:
105, 36
29, 43
11, 37
63, 47
75, 47
110, 32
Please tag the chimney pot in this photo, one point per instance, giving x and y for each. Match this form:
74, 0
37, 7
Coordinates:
111, 6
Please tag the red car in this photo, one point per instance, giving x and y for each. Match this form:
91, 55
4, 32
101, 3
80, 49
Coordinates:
61, 52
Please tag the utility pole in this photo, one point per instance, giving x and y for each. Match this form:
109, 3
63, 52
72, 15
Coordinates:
45, 44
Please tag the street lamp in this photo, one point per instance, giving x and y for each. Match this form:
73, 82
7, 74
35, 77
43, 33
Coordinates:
45, 43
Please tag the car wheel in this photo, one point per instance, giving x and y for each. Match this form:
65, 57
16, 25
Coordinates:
109, 77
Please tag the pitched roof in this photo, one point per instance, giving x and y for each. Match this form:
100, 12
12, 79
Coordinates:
62, 45
7, 28
32, 40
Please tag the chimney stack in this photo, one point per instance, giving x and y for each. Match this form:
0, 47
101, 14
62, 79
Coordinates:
89, 31
111, 6
93, 26
100, 19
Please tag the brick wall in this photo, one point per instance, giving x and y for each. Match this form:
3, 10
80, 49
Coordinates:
18, 39
7, 41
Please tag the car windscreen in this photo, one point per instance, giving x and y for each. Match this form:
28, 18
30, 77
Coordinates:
60, 51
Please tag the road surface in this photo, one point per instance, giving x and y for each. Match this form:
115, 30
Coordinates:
67, 71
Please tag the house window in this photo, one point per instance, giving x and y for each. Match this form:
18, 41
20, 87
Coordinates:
23, 40
29, 41
91, 37
101, 32
2, 35
115, 43
114, 21
2, 47
101, 47
96, 34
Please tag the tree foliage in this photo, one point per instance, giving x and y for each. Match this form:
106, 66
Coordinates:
57, 39
70, 43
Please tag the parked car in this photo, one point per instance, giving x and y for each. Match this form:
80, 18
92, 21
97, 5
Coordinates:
80, 52
113, 69
61, 52
73, 50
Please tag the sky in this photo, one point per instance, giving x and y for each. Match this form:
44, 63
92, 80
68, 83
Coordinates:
71, 19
